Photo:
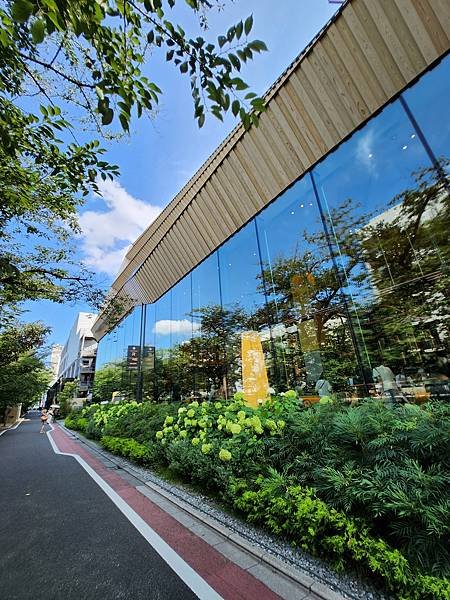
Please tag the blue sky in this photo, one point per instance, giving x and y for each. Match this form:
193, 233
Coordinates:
161, 154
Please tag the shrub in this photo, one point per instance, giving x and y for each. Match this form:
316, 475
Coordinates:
388, 465
76, 420
296, 513
140, 453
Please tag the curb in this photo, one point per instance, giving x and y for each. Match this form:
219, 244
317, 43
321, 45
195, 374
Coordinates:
319, 589
12, 426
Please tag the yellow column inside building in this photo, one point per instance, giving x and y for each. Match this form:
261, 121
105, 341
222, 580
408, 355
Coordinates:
254, 373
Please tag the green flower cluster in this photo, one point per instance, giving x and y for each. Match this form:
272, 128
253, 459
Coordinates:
216, 427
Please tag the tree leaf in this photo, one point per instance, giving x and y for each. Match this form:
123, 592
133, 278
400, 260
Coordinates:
235, 106
248, 24
239, 84
258, 46
21, 10
124, 121
38, 31
235, 61
107, 116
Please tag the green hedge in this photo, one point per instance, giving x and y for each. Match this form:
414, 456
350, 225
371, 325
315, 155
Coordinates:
140, 453
298, 515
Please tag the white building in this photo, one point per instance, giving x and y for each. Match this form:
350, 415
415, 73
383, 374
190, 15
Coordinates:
78, 354
55, 358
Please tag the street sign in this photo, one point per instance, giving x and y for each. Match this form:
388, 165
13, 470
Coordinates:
133, 356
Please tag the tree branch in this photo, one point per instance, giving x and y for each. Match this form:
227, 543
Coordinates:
46, 65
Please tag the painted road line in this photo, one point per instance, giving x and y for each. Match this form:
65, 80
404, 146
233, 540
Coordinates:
192, 579
11, 428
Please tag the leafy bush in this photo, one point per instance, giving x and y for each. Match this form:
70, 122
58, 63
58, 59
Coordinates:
296, 513
140, 453
227, 432
139, 421
125, 419
76, 420
388, 465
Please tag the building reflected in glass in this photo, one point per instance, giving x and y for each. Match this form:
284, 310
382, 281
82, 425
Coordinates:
339, 287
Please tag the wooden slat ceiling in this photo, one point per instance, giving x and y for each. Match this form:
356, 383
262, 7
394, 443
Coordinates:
367, 54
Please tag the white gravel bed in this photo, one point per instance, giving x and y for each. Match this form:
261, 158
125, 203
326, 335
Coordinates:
347, 583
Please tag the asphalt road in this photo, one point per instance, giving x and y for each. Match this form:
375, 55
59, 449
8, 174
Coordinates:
61, 537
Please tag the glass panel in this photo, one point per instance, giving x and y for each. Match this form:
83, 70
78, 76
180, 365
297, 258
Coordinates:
131, 353
103, 351
244, 315
148, 358
206, 349
182, 330
433, 89
113, 374
311, 341
387, 217
163, 345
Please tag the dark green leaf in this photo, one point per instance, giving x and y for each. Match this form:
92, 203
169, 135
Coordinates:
38, 31
21, 10
201, 120
107, 116
248, 24
124, 121
235, 61
258, 46
239, 84
235, 106
222, 40
242, 55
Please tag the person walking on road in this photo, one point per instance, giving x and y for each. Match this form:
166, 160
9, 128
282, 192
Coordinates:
44, 418
50, 415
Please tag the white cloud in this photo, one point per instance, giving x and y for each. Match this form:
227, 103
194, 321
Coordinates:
365, 151
166, 326
107, 235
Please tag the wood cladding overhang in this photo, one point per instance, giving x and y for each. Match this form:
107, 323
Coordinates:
362, 58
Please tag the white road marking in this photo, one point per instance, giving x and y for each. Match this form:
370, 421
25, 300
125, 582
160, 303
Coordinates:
11, 428
186, 573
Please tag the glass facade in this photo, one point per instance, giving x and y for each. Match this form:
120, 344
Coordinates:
339, 287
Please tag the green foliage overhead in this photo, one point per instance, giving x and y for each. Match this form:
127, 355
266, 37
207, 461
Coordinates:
16, 340
98, 50
89, 59
42, 182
